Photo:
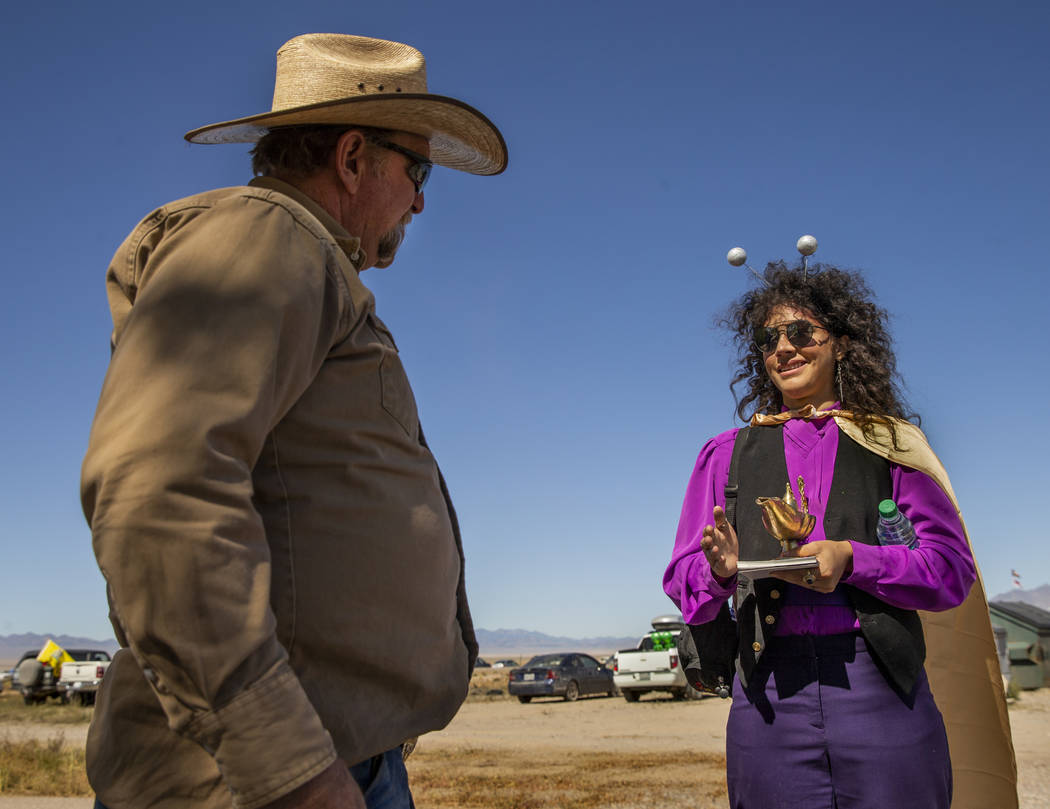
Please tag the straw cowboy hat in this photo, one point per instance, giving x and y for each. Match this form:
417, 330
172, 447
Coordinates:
343, 79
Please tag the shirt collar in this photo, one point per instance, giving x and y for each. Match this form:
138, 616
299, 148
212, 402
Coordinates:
351, 245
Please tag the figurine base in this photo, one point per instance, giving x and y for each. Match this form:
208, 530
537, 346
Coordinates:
763, 568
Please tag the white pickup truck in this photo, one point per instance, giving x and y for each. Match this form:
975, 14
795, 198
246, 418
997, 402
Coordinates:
654, 665
79, 680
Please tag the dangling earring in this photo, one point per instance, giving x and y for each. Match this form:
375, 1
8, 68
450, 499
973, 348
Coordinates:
838, 381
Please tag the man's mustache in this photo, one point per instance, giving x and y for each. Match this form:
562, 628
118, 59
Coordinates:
390, 242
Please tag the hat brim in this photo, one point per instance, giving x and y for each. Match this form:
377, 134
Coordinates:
460, 137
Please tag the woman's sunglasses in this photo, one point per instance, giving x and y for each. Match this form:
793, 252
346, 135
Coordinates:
798, 332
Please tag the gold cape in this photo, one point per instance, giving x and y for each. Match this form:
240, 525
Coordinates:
961, 659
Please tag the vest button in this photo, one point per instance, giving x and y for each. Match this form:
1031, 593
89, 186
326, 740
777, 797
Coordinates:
770, 619
774, 594
756, 646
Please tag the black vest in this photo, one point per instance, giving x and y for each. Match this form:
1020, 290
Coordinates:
860, 480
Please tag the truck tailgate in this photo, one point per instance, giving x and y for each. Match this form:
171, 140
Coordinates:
637, 662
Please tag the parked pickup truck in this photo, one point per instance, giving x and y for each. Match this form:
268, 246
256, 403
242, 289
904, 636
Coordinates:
39, 679
654, 666
79, 681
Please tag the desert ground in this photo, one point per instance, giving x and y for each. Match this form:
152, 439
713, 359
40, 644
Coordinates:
596, 752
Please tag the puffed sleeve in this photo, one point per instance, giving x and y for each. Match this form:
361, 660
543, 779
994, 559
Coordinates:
938, 573
688, 579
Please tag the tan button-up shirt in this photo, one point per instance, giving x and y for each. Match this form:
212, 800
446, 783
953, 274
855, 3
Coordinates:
283, 562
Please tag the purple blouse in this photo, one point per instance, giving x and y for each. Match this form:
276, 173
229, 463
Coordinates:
937, 575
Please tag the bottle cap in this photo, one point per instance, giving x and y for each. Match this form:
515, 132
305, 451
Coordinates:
887, 509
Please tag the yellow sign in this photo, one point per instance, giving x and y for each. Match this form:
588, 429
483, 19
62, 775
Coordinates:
54, 655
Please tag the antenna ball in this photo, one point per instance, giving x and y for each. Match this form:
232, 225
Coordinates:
806, 245
737, 256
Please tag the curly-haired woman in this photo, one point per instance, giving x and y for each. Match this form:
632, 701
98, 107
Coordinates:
831, 702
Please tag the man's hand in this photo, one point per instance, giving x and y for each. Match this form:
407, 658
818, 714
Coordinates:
834, 560
720, 546
332, 789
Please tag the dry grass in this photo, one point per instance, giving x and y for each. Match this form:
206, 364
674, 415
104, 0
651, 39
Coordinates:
465, 778
42, 768
488, 684
52, 712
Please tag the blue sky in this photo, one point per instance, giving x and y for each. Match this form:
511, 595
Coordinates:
556, 321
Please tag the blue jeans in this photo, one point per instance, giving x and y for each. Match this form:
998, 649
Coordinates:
383, 779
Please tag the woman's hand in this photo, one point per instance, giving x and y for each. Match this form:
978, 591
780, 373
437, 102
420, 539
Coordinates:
720, 545
834, 560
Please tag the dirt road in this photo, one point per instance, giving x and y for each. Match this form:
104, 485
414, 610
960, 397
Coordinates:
504, 735
595, 723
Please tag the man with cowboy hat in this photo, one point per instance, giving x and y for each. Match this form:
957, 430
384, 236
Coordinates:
284, 566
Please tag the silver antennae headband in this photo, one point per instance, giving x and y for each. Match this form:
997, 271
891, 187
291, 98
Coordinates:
806, 245
738, 257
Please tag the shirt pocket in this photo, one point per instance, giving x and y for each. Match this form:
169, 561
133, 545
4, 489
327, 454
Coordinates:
395, 392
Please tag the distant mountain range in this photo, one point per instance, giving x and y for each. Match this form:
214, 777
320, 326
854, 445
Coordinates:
526, 641
499, 641
1039, 597
493, 642
12, 647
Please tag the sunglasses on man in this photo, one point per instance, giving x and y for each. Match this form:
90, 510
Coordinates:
798, 332
418, 169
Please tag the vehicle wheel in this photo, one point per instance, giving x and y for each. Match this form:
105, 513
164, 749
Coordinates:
678, 694
632, 696
524, 700
28, 699
572, 691
30, 673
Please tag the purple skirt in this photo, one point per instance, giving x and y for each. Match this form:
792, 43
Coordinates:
821, 728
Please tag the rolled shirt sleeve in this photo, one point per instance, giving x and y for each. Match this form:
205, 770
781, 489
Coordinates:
233, 308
